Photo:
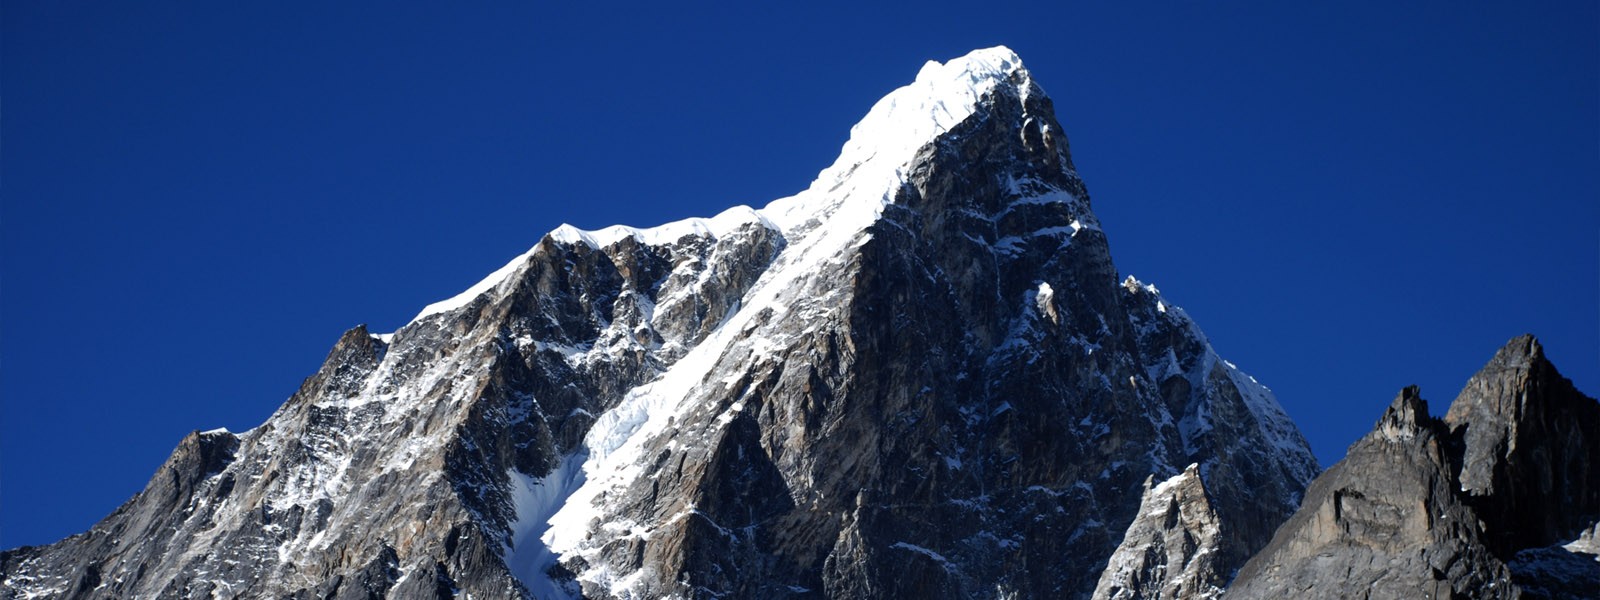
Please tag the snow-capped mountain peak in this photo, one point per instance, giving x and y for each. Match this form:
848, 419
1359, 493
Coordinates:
918, 377
849, 194
870, 165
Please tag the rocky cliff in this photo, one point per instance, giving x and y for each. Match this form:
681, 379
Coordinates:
920, 377
1497, 500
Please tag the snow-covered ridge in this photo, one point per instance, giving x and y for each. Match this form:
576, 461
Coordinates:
477, 289
898, 125
715, 227
942, 96
852, 192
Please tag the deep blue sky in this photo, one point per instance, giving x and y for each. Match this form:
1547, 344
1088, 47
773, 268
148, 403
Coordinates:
197, 198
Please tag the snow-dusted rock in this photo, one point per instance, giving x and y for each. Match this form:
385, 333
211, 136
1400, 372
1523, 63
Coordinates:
1172, 549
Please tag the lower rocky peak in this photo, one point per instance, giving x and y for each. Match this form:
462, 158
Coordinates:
1406, 417
1497, 500
1386, 520
1531, 442
1172, 549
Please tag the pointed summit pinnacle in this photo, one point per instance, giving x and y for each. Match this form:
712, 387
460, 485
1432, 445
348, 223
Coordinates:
941, 96
1406, 416
871, 164
985, 64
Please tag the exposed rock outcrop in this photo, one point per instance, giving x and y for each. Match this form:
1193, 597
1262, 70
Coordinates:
1173, 549
1385, 522
1494, 501
1531, 456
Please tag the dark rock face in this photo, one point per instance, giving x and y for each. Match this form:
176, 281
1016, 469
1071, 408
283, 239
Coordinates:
1532, 442
1560, 571
1385, 522
1476, 505
921, 377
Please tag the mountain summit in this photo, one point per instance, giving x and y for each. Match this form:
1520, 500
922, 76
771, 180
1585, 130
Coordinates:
921, 377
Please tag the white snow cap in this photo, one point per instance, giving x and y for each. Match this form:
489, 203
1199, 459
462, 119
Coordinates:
477, 289
715, 227
901, 123
884, 141
850, 194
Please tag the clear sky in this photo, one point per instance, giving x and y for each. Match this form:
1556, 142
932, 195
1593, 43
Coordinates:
198, 198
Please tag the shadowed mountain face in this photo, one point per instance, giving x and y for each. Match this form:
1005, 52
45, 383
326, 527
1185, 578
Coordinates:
1497, 500
922, 377
1530, 447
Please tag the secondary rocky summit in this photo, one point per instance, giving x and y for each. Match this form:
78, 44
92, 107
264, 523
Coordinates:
921, 377
1499, 499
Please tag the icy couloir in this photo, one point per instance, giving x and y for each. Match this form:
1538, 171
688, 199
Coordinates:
920, 377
